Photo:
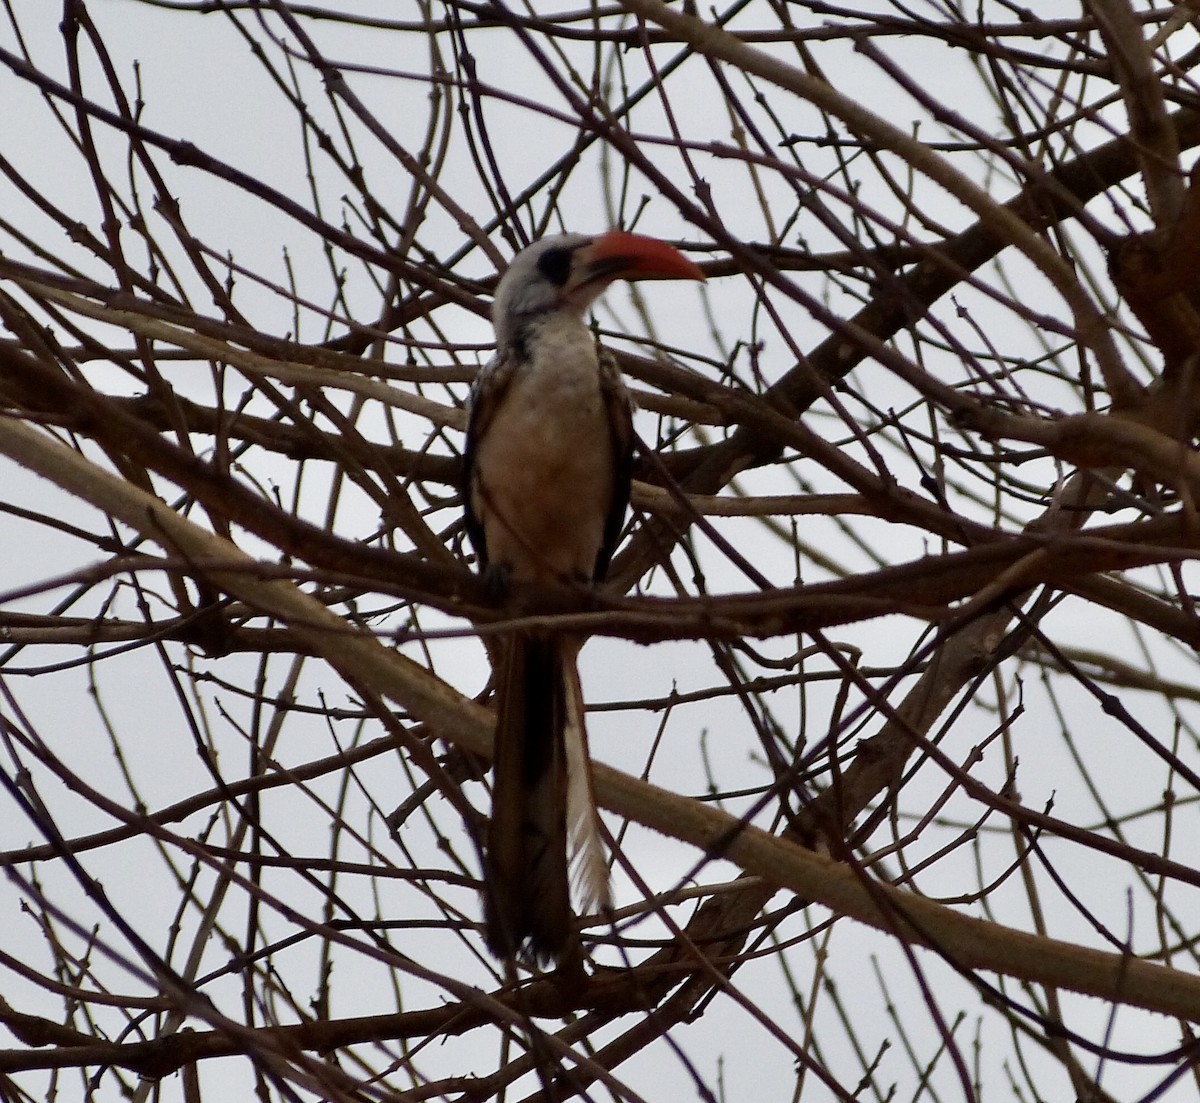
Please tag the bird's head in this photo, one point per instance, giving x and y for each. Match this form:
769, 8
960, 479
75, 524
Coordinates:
568, 271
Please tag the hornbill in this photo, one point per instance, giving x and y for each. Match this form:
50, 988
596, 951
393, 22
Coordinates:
547, 472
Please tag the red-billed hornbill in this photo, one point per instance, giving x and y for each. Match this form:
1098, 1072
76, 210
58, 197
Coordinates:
548, 459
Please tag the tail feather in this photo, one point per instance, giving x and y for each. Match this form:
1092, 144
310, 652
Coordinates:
528, 893
589, 864
541, 800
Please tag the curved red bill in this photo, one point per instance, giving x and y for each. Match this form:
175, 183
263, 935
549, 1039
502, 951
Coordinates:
641, 257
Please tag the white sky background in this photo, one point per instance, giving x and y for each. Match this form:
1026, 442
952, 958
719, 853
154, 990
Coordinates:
200, 82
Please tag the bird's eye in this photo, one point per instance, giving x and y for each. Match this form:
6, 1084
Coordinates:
555, 265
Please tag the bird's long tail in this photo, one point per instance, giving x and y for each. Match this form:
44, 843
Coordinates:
541, 802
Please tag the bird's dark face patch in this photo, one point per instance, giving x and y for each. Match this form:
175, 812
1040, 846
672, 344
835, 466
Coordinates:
555, 265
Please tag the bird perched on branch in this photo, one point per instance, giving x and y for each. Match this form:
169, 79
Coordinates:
548, 459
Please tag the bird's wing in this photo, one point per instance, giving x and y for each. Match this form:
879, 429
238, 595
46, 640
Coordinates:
487, 394
619, 408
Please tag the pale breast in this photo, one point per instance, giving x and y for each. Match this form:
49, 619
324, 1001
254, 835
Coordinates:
544, 469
